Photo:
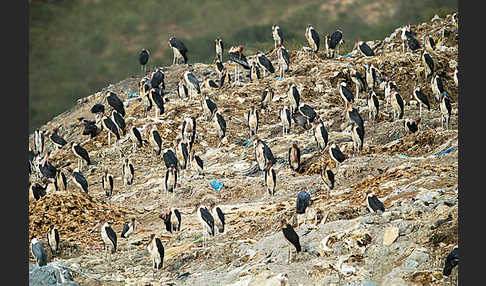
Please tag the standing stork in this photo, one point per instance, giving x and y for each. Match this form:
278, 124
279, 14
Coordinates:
294, 98
238, 58
312, 38
143, 58
270, 181
357, 134
207, 221
359, 82
308, 113
156, 250
182, 152
107, 182
119, 122
111, 127
336, 154
252, 119
364, 49
219, 49
302, 205
172, 220
320, 134
254, 72
38, 252
389, 86
81, 153
197, 163
353, 116
98, 110
346, 94
220, 124
373, 204
428, 63
283, 60
225, 77
128, 228
128, 172
136, 138
156, 96
39, 141
372, 78
47, 170
266, 98
335, 40
179, 50
421, 99
265, 63
115, 102
108, 236
294, 157
189, 130
285, 119
277, 35
192, 82
437, 87
58, 141
210, 83
80, 180
397, 104
445, 111
411, 126
291, 237
155, 139
53, 239
218, 215
263, 154
373, 105
182, 90
429, 43
170, 181
170, 159
327, 176
61, 179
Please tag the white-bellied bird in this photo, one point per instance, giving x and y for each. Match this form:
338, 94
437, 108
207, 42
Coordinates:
109, 238
179, 50
291, 237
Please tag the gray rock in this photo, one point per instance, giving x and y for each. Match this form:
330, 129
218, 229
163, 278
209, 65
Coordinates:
54, 273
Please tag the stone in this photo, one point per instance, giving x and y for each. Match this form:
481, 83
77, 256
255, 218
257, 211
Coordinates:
54, 273
390, 235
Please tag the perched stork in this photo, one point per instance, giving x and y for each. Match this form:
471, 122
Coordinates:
421, 99
452, 260
327, 176
336, 154
397, 104
53, 239
207, 221
302, 205
191, 82
357, 134
373, 203
320, 134
453, 75
61, 179
80, 180
372, 76
445, 111
428, 63
294, 157
219, 49
263, 154
39, 141
359, 82
107, 182
57, 140
285, 119
406, 32
265, 63
335, 40
291, 237
210, 83
143, 58
128, 172
218, 216
411, 126
353, 116
283, 60
46, 169
179, 50
38, 252
81, 153
252, 119
270, 181
155, 139
437, 87
98, 109
111, 127
90, 128
389, 86
225, 77
182, 152
308, 112
254, 72
182, 90
373, 105
294, 98
220, 124
172, 220
156, 250
312, 38
189, 130
364, 49
128, 228
115, 102
108, 236
429, 43
277, 36
36, 191
346, 94
119, 122
136, 138
266, 98
196, 163
170, 180
238, 58
170, 159
156, 96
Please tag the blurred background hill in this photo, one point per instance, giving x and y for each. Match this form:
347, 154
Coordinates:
78, 47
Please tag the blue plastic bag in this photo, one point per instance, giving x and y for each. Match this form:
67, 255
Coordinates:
217, 185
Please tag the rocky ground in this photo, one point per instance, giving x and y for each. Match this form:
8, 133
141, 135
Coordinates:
345, 245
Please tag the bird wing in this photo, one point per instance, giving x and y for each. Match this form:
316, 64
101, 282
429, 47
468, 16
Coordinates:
375, 203
338, 154
292, 236
336, 36
355, 117
315, 37
207, 217
440, 86
126, 227
429, 62
112, 236
160, 249
82, 152
303, 201
365, 49
220, 214
115, 102
330, 175
192, 79
241, 60
178, 44
58, 139
221, 122
178, 216
110, 125
265, 62
422, 97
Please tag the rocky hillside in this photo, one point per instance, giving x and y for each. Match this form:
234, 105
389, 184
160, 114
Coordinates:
414, 175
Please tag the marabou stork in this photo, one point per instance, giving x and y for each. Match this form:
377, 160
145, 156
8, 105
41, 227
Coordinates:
373, 105
109, 238
312, 38
219, 49
411, 126
291, 237
397, 104
294, 157
179, 50
53, 239
207, 221
373, 203
143, 58
252, 119
327, 176
283, 60
265, 63
115, 102
320, 134
277, 35
238, 58
219, 219
285, 119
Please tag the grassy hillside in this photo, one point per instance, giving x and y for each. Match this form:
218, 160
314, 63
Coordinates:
79, 47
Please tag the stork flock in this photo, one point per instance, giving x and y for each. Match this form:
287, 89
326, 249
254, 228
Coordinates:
182, 156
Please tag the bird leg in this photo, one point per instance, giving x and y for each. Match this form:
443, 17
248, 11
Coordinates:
109, 138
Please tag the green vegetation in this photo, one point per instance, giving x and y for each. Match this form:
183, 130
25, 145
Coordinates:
78, 47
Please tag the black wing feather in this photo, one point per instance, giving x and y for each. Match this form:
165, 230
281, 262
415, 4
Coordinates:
292, 236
